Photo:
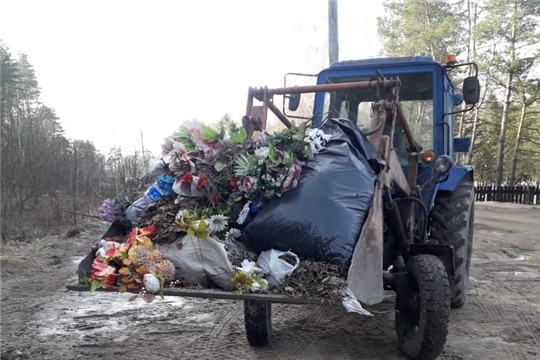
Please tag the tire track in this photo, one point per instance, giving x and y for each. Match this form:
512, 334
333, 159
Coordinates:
313, 321
516, 307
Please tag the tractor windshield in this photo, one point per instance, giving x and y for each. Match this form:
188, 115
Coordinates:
415, 94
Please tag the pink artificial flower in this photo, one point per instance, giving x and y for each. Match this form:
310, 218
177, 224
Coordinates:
249, 184
291, 182
167, 147
103, 272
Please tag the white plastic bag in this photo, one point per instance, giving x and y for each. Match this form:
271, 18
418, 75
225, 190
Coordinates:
351, 304
275, 267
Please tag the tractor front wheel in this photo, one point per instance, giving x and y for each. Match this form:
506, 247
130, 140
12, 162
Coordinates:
452, 223
423, 308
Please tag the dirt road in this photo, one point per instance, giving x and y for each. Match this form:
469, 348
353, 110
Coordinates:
41, 321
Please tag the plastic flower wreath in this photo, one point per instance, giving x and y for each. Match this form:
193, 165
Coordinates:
126, 264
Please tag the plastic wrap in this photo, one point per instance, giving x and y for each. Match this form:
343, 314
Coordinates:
322, 218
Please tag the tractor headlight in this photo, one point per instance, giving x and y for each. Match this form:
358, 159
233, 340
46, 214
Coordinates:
443, 164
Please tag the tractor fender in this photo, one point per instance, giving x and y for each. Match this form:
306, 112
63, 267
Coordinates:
455, 177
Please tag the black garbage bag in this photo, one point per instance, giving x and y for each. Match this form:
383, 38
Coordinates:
322, 218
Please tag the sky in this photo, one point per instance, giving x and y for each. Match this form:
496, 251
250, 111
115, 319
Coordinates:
115, 69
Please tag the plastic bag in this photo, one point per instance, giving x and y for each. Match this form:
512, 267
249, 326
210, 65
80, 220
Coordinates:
274, 265
203, 261
351, 304
322, 218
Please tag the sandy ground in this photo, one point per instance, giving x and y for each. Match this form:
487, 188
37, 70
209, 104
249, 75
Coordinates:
40, 320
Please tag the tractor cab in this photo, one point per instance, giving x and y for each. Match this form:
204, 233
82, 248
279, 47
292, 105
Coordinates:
427, 99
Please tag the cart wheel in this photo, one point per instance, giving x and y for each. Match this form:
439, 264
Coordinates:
423, 310
258, 319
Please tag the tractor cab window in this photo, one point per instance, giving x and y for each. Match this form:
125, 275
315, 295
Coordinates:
416, 97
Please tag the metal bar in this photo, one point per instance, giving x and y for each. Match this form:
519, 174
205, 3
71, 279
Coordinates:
321, 88
219, 294
407, 130
279, 114
249, 101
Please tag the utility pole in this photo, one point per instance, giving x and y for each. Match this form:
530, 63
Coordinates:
333, 45
142, 145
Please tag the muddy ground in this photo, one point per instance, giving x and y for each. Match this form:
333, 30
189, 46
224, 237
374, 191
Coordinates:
40, 320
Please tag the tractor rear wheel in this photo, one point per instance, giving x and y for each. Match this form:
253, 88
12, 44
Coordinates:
258, 321
452, 223
423, 308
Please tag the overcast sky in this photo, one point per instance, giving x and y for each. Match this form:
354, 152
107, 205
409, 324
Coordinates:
113, 68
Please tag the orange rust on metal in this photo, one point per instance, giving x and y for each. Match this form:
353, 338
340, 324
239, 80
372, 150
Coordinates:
406, 129
324, 87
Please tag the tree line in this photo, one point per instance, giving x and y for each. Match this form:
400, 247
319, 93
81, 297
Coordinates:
43, 172
503, 38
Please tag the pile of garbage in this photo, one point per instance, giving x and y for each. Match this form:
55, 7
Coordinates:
280, 213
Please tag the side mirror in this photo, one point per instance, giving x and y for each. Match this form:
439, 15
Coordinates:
471, 90
294, 101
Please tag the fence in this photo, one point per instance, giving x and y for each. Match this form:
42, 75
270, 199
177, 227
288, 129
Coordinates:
519, 194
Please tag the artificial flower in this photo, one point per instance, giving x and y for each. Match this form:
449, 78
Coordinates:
167, 147
143, 240
295, 172
233, 183
181, 214
243, 213
262, 153
178, 152
249, 185
317, 139
232, 234
202, 182
185, 181
261, 140
165, 268
105, 245
217, 223
113, 210
249, 267
139, 255
100, 269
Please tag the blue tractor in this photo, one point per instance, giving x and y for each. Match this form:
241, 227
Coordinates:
418, 237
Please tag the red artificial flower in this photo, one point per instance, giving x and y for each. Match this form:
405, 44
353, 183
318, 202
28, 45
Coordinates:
130, 238
115, 252
185, 181
203, 181
147, 230
233, 183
